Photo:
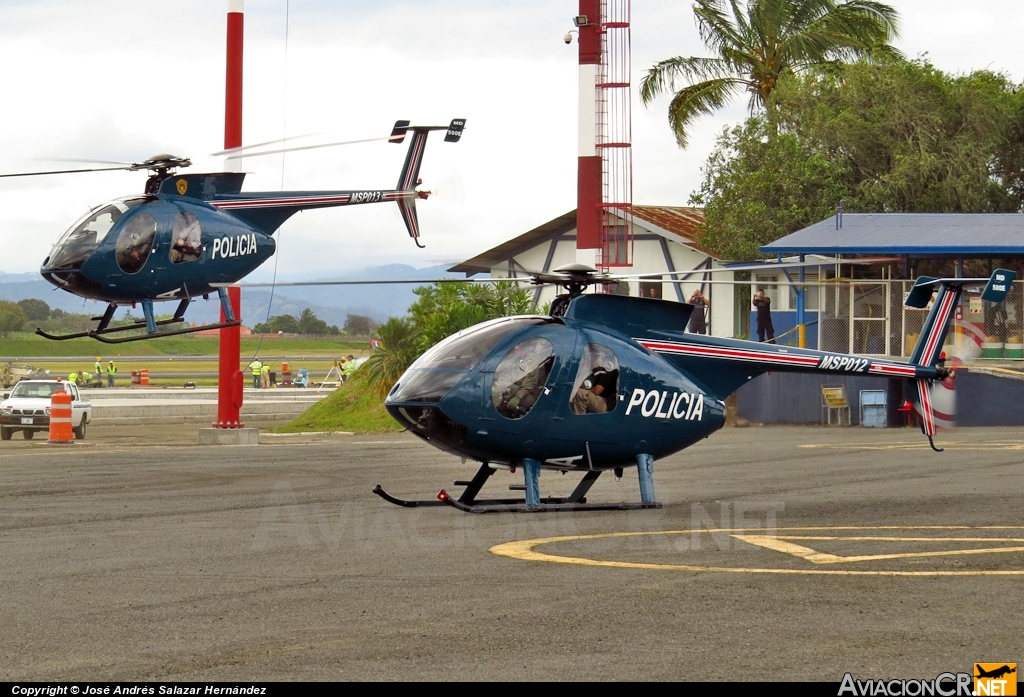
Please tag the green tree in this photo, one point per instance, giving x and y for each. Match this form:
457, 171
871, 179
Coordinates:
757, 189
442, 309
286, 324
12, 318
899, 137
309, 323
36, 310
400, 347
756, 42
359, 325
445, 308
913, 137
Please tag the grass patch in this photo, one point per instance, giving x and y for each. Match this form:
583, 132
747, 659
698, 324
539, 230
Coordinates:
352, 407
30, 346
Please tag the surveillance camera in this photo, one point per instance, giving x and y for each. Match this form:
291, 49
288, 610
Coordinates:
567, 38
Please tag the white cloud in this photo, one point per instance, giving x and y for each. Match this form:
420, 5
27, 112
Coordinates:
122, 80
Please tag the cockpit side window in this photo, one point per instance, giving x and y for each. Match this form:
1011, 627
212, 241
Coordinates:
520, 377
135, 242
94, 228
597, 381
187, 238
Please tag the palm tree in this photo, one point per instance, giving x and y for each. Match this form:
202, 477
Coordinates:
757, 41
387, 364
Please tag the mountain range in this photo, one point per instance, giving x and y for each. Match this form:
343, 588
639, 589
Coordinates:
329, 303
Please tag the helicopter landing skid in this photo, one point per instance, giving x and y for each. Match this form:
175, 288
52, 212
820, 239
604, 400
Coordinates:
545, 507
468, 503
100, 334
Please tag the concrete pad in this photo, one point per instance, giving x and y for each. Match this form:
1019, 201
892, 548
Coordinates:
229, 436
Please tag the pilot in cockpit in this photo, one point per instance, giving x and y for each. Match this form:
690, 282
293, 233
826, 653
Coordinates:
592, 395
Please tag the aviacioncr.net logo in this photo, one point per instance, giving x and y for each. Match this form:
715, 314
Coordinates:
944, 685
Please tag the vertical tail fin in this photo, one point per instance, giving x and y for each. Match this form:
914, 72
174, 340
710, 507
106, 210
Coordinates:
410, 175
936, 326
928, 351
407, 207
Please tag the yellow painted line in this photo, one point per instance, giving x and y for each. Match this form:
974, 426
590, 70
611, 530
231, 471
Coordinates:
901, 539
526, 550
948, 445
816, 557
779, 545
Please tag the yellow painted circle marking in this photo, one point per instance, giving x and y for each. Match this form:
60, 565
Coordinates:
526, 550
916, 445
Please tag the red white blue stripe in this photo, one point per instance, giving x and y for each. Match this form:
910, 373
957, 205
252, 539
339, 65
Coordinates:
931, 346
801, 360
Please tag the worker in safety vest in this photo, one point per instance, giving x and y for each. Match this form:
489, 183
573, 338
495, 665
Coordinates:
85, 378
342, 372
265, 375
350, 368
73, 377
111, 372
255, 367
98, 366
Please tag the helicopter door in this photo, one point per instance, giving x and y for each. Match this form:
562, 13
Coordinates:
186, 238
135, 242
521, 376
596, 386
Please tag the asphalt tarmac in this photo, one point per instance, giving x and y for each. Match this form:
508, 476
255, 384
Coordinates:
140, 556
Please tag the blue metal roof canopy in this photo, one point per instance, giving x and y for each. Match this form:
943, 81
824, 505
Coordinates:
969, 235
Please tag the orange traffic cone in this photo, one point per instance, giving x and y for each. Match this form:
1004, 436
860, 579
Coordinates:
60, 417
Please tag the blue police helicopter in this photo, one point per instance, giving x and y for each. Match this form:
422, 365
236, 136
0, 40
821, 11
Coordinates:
606, 382
188, 232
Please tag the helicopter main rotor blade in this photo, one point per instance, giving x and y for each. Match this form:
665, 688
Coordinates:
269, 284
82, 159
240, 148
306, 147
64, 171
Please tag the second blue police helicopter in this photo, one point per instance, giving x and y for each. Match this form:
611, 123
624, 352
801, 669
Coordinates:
188, 232
605, 382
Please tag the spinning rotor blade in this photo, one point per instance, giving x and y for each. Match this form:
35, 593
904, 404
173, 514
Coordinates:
157, 162
63, 171
304, 147
371, 282
82, 159
449, 188
240, 148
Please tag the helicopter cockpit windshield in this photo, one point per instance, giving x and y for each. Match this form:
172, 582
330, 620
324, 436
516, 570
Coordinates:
82, 237
438, 370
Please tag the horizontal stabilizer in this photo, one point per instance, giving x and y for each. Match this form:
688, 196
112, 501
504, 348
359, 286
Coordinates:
455, 131
398, 132
998, 285
921, 294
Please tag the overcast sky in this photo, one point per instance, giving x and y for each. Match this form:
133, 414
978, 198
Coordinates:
124, 79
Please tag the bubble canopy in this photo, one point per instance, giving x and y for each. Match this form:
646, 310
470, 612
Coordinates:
83, 236
438, 370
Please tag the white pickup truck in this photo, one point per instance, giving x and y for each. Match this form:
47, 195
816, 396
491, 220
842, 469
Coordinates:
27, 408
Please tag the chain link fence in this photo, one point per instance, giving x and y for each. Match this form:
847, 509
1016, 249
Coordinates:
870, 318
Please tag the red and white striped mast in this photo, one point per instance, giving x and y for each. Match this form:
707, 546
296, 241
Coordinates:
588, 178
230, 379
605, 167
